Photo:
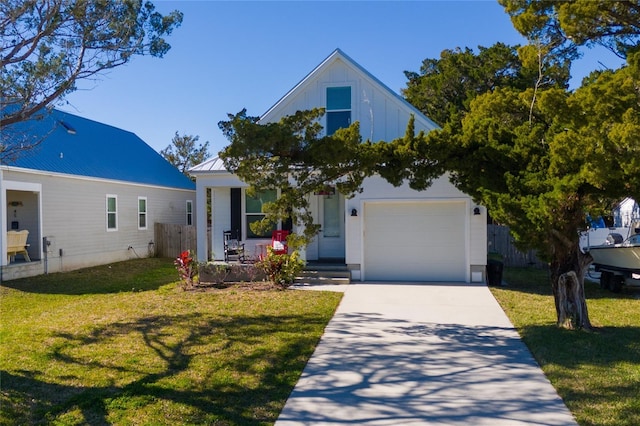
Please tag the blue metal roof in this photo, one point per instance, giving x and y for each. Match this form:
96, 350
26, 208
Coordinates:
78, 146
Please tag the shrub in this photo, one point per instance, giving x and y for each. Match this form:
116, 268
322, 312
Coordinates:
212, 273
184, 265
281, 269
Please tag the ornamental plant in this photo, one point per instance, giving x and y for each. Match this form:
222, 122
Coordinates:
184, 265
281, 269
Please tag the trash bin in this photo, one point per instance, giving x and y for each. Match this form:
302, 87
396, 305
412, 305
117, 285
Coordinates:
494, 272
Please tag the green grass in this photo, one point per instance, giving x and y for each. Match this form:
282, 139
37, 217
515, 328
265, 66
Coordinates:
123, 344
596, 373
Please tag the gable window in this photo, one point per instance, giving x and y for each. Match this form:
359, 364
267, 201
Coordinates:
253, 210
338, 111
142, 213
112, 212
189, 212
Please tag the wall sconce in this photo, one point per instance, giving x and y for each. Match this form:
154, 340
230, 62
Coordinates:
354, 212
476, 211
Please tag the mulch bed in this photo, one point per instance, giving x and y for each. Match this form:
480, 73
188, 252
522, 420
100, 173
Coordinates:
243, 286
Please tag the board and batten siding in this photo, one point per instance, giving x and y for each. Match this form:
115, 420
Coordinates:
74, 218
382, 116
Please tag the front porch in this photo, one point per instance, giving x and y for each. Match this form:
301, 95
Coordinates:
22, 269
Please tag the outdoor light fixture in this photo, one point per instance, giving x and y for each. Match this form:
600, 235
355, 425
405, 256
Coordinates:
354, 212
476, 211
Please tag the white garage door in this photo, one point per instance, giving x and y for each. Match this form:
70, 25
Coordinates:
415, 241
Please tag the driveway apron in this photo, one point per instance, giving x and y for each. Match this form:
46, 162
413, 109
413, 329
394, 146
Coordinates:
422, 354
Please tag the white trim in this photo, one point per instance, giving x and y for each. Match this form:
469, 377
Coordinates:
88, 178
245, 225
146, 214
467, 230
189, 214
107, 212
352, 84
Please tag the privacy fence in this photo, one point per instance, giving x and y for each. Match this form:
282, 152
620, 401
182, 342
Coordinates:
499, 240
171, 240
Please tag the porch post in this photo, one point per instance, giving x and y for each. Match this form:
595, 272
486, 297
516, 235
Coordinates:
201, 221
303, 250
3, 221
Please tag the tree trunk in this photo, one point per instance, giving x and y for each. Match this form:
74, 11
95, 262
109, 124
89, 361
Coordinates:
567, 277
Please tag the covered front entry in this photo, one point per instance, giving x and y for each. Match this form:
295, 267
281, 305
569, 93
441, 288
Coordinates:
415, 241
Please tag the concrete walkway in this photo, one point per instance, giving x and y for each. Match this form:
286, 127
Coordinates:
424, 354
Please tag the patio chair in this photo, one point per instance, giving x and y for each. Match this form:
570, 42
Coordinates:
279, 242
17, 244
233, 247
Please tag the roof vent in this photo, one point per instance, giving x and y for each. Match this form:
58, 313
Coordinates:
68, 127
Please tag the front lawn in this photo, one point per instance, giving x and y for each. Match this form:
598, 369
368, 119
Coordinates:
123, 344
596, 373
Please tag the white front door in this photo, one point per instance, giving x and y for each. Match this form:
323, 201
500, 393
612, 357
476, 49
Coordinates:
331, 219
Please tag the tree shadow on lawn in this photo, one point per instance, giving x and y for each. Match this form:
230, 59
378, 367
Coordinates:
131, 275
190, 376
583, 367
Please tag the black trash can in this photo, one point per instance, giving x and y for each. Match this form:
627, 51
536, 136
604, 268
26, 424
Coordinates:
494, 272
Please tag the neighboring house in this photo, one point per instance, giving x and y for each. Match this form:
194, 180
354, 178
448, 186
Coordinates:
626, 213
89, 194
385, 232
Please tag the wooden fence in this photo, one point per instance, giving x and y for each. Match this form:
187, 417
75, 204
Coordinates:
499, 240
171, 240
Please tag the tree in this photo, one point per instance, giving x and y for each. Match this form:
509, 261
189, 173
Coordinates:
568, 24
293, 157
184, 154
444, 87
541, 158
49, 45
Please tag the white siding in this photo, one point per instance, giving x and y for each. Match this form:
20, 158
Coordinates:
382, 115
74, 218
478, 238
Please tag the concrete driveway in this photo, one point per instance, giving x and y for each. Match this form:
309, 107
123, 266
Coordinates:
422, 354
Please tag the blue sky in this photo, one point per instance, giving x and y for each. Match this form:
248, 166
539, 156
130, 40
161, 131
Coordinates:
239, 54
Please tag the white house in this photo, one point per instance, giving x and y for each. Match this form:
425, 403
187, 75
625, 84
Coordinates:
88, 194
384, 233
626, 213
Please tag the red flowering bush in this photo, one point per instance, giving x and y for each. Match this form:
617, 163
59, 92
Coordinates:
184, 265
281, 269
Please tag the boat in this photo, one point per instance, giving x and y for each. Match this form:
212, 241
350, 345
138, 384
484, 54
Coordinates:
617, 260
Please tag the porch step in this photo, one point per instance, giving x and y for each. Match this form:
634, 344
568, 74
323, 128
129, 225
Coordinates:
324, 275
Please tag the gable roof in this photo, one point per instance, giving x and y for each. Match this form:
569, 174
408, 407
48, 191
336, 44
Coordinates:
337, 55
74, 145
216, 165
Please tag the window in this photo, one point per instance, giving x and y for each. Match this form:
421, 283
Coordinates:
338, 108
189, 212
112, 212
253, 210
142, 212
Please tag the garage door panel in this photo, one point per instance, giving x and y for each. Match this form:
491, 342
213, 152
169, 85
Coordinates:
419, 241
